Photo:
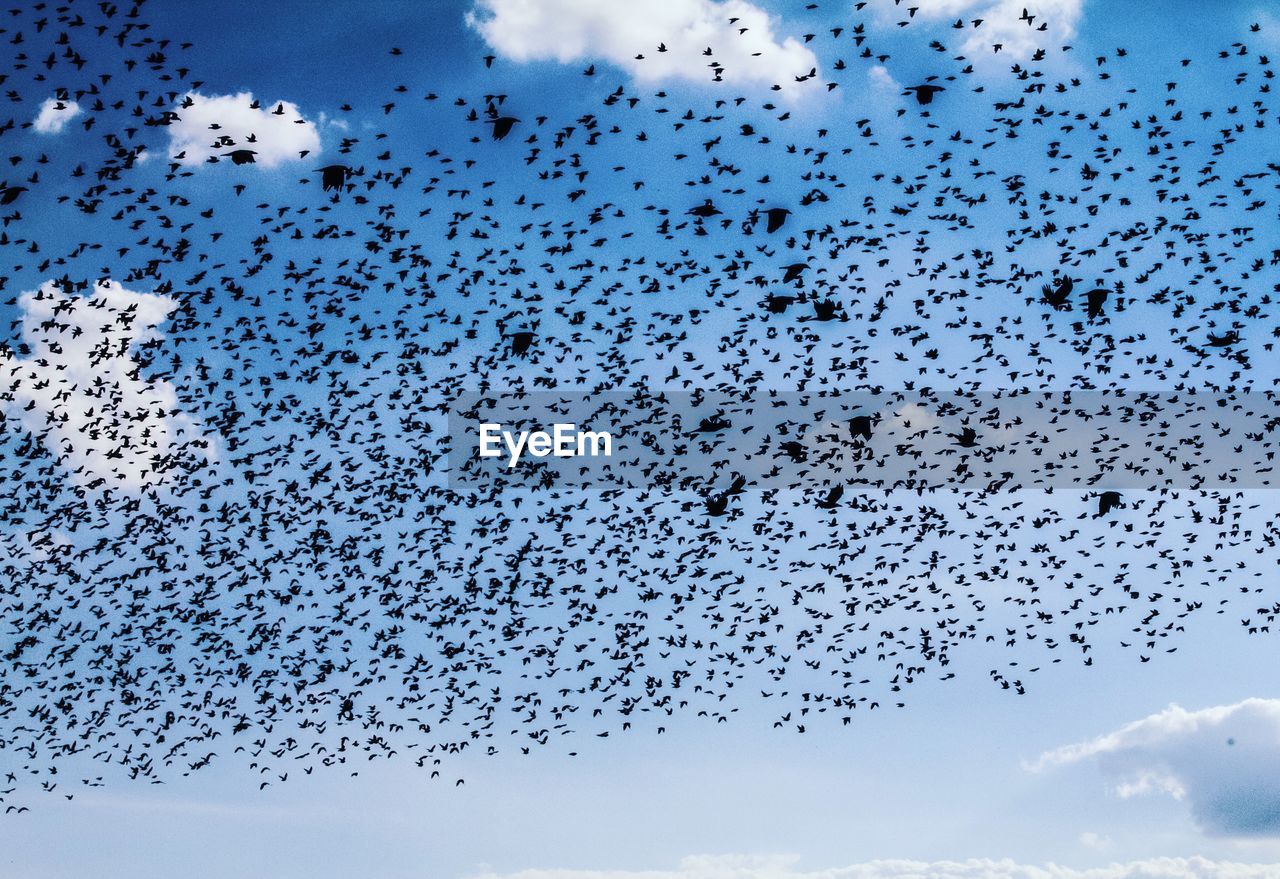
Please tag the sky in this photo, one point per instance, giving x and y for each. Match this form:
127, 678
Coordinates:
1120, 768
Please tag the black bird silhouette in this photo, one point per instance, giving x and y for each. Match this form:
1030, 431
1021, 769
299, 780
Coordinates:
825, 309
1095, 299
502, 126
776, 217
860, 426
714, 424
777, 304
967, 438
1108, 501
521, 342
334, 177
924, 93
793, 272
832, 499
794, 450
1059, 294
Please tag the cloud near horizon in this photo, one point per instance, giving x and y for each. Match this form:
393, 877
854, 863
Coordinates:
1224, 762
749, 867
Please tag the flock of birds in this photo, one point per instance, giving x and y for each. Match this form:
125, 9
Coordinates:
241, 516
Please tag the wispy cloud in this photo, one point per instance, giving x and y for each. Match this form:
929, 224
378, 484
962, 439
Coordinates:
744, 867
1017, 27
1223, 761
54, 116
651, 41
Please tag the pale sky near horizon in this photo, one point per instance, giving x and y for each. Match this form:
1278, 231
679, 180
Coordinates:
947, 778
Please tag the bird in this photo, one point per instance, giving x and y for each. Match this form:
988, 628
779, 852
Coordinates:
776, 217
777, 304
1108, 501
1095, 299
793, 272
502, 126
832, 498
1058, 295
924, 94
860, 426
9, 194
966, 438
333, 178
521, 342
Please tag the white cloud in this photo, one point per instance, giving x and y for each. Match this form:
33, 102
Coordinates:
934, 9
1223, 761
1269, 23
1095, 841
212, 126
912, 417
577, 30
1018, 39
79, 389
1002, 23
881, 78
54, 116
38, 546
739, 867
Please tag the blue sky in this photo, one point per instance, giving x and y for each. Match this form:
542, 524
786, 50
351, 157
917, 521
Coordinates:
944, 780
967, 771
